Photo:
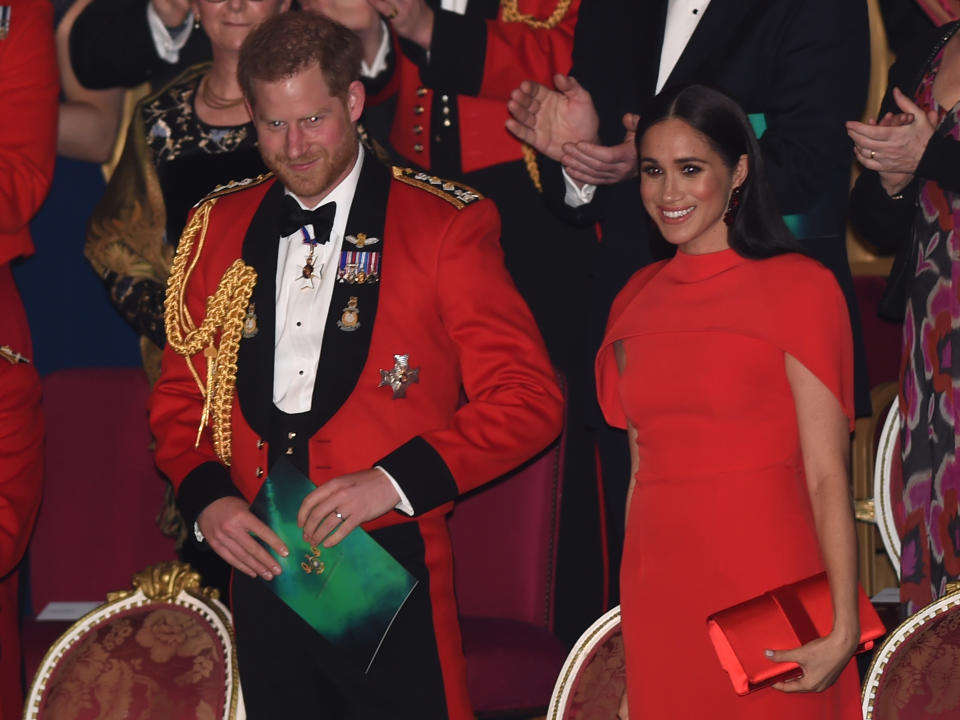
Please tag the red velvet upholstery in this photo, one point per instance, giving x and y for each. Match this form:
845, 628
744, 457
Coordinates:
921, 680
599, 686
883, 340
97, 524
154, 661
102, 492
504, 549
591, 683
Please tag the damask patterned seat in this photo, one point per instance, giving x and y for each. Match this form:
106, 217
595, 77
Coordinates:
915, 674
164, 650
593, 677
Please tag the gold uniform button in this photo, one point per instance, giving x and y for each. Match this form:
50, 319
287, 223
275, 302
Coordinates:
418, 148
291, 435
421, 91
446, 110
446, 122
289, 451
445, 98
259, 444
418, 109
259, 472
417, 129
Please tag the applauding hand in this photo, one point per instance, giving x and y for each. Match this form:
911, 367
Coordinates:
893, 147
548, 119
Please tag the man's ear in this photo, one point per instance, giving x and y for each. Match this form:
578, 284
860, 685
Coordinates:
356, 97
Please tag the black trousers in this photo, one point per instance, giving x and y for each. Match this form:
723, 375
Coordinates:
287, 670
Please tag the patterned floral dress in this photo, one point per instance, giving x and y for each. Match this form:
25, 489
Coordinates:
930, 385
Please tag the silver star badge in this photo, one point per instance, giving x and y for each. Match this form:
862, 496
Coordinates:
399, 376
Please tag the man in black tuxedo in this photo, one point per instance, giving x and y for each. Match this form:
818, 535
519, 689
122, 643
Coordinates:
800, 65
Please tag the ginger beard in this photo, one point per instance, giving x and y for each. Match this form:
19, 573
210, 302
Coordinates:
314, 176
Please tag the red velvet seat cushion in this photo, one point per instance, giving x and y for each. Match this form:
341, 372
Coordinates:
158, 661
513, 664
922, 680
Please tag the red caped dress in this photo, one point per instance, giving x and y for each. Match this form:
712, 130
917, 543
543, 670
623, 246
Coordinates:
720, 511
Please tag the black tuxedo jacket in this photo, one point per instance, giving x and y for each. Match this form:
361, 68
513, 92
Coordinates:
803, 64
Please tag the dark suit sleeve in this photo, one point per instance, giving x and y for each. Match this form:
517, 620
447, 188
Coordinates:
111, 46
819, 70
884, 221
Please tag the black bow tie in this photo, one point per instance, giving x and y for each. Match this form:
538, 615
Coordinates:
294, 217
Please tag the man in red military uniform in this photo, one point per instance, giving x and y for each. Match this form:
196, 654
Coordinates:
349, 303
28, 127
438, 92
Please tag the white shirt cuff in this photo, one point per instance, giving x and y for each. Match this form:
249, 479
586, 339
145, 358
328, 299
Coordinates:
576, 195
379, 63
404, 505
168, 47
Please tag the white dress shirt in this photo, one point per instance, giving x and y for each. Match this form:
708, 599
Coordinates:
302, 305
683, 16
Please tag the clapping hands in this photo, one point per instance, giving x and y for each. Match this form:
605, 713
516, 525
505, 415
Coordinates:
563, 125
894, 145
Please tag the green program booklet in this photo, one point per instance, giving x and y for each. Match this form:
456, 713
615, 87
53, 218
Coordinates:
349, 593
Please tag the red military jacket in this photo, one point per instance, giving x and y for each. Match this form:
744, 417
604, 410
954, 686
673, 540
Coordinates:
29, 83
443, 299
474, 65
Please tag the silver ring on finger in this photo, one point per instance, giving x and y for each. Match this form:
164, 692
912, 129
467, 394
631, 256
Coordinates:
873, 154
338, 515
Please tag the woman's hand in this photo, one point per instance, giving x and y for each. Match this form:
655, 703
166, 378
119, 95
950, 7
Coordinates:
895, 144
822, 660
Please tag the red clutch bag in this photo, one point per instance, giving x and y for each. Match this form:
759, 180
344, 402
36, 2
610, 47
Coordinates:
781, 619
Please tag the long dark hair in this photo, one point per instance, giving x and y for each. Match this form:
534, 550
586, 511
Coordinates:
758, 230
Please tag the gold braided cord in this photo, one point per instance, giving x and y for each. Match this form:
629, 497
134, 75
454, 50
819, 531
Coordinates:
226, 310
512, 14
533, 170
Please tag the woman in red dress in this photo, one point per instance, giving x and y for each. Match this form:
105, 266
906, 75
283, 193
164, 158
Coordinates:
731, 367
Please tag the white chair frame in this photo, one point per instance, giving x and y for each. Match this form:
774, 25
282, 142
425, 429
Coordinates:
599, 631
881, 485
169, 583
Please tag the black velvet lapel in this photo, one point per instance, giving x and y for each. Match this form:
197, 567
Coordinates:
648, 46
345, 351
724, 24
255, 358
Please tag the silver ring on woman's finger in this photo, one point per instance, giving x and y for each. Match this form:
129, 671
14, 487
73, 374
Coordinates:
393, 13
338, 514
873, 154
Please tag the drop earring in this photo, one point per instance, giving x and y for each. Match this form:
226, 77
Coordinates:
734, 205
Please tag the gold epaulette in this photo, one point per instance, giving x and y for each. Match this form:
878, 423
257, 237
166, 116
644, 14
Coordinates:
456, 194
234, 186
223, 321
